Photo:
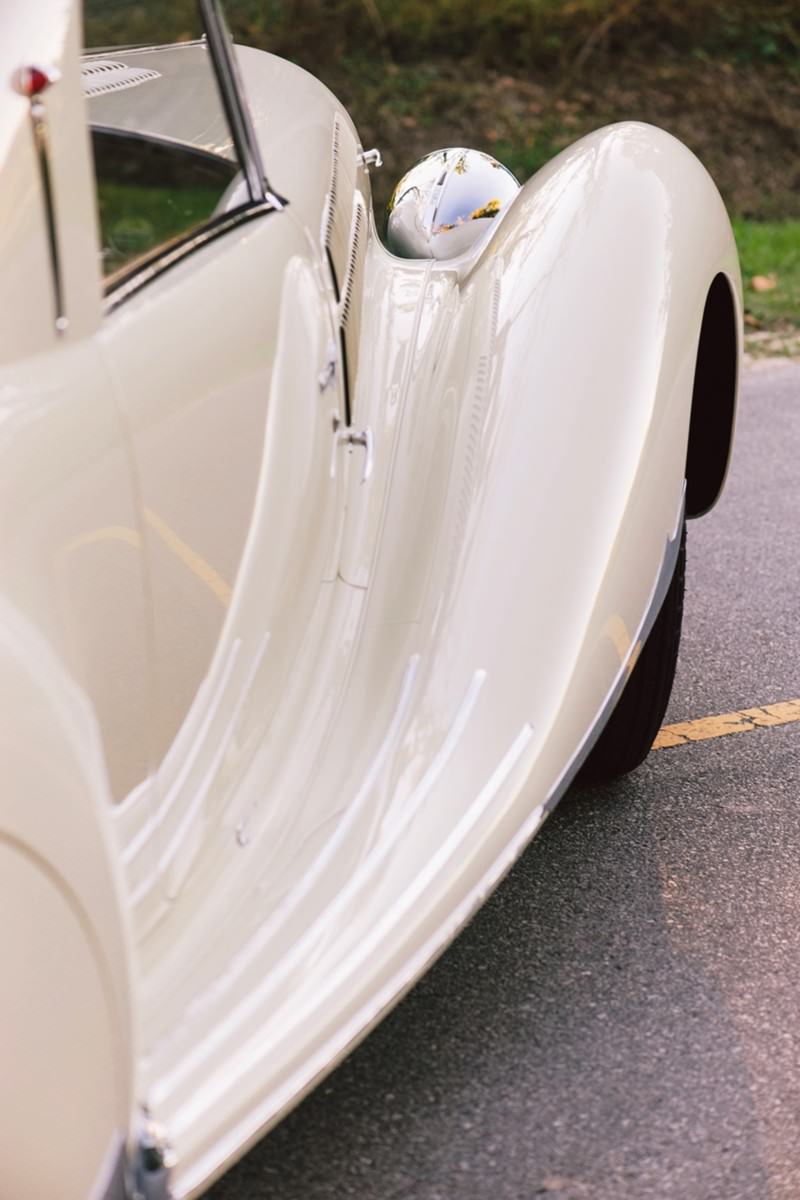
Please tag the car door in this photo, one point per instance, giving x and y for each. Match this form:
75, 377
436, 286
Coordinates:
69, 538
74, 693
220, 336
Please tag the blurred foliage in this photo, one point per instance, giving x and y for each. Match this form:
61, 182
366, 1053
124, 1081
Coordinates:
139, 22
515, 33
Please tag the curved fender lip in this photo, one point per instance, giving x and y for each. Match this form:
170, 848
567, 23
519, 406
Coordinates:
585, 169
573, 365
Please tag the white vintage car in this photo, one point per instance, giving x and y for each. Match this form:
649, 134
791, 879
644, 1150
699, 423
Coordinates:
325, 561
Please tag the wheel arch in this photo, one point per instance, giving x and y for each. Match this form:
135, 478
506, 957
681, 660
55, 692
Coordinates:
714, 393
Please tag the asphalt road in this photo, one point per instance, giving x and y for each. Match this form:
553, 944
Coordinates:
622, 1020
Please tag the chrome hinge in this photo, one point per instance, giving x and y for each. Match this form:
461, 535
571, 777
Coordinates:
279, 203
152, 1163
371, 158
327, 375
345, 435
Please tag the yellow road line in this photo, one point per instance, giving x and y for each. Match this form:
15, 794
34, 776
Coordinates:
785, 713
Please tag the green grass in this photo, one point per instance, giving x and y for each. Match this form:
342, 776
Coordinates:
771, 250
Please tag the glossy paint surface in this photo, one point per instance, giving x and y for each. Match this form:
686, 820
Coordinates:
338, 707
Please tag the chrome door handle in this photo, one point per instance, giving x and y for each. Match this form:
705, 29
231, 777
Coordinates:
371, 158
345, 435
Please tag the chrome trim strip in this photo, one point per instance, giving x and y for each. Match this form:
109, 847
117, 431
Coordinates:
137, 48
227, 75
201, 237
42, 144
154, 1161
158, 139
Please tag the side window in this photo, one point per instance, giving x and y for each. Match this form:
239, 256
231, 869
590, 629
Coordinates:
166, 163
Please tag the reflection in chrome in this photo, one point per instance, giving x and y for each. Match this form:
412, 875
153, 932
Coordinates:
446, 203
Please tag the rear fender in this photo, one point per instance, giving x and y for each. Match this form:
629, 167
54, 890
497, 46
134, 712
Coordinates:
66, 1028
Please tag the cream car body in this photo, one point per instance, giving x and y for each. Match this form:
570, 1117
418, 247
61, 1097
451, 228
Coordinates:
274, 723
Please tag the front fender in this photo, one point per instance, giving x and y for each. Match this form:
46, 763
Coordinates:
570, 355
600, 274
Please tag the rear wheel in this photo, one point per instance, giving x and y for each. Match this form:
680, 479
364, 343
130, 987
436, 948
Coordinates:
634, 723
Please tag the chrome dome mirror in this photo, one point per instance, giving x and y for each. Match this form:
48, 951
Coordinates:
446, 203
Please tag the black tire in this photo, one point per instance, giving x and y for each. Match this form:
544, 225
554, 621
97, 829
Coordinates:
634, 723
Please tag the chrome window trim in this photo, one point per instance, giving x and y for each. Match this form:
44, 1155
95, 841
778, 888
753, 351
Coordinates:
41, 137
90, 52
231, 92
158, 139
176, 253
262, 198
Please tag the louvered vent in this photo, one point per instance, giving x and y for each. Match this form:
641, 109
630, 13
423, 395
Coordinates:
338, 209
343, 234
105, 75
329, 210
352, 276
353, 289
479, 418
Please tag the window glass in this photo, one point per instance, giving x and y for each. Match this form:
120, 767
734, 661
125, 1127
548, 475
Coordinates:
164, 157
